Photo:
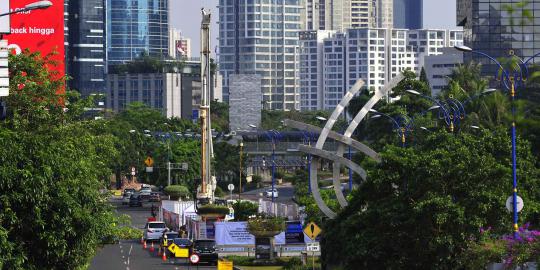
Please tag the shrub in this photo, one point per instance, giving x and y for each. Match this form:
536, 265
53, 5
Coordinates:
219, 192
265, 225
177, 192
213, 209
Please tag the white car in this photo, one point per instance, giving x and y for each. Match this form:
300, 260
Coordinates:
154, 230
271, 192
145, 191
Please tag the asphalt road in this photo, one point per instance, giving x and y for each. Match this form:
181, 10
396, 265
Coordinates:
129, 254
285, 194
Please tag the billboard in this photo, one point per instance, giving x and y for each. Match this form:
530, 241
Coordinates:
4, 20
39, 30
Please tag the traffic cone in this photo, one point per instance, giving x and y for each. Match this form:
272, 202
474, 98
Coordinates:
142, 240
152, 247
144, 244
164, 256
159, 251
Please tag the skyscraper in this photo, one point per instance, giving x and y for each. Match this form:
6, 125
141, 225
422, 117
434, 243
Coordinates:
341, 15
137, 26
488, 27
85, 45
261, 37
408, 14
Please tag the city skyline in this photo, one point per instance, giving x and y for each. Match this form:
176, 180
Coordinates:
186, 17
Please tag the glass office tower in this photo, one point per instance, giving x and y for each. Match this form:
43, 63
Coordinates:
135, 27
85, 45
488, 27
408, 14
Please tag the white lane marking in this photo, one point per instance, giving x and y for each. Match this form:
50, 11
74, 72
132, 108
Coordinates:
121, 251
123, 257
130, 248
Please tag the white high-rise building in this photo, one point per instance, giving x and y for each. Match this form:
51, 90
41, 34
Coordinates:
261, 37
375, 55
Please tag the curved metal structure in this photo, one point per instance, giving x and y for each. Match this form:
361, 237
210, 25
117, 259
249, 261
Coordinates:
344, 139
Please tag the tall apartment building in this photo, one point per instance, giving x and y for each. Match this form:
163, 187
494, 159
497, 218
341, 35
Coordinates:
341, 15
375, 55
85, 45
160, 91
488, 28
385, 13
135, 27
261, 37
311, 61
408, 14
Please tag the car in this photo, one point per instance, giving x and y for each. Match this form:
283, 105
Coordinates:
135, 200
154, 230
128, 191
154, 197
125, 198
271, 192
185, 248
206, 250
145, 190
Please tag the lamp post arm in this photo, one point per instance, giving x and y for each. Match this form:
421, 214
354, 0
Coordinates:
506, 78
530, 58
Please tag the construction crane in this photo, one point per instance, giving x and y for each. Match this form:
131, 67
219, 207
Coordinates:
205, 192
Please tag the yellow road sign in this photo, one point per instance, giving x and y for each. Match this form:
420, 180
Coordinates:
224, 265
149, 162
312, 230
178, 251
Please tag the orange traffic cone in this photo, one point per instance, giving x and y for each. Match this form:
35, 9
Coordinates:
164, 256
159, 251
152, 247
144, 244
142, 240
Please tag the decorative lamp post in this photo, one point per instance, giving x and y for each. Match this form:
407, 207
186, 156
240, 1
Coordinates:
511, 80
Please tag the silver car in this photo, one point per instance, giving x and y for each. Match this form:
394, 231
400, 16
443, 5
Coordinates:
154, 230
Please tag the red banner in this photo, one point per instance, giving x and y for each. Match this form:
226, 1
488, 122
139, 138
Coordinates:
39, 30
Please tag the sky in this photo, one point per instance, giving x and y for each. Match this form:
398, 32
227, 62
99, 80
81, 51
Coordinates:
185, 15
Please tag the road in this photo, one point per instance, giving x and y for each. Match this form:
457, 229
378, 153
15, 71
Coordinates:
129, 254
285, 194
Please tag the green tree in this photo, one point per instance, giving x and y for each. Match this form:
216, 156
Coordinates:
52, 167
419, 206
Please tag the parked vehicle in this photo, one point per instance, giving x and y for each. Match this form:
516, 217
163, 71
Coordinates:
135, 200
154, 230
272, 192
145, 190
125, 198
184, 245
154, 197
206, 250
128, 191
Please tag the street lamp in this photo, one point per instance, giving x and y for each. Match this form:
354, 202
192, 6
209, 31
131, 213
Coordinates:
31, 6
240, 172
273, 135
511, 81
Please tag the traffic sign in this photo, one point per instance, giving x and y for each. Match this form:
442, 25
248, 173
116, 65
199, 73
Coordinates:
313, 247
510, 204
149, 162
194, 259
224, 265
312, 230
230, 187
172, 248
